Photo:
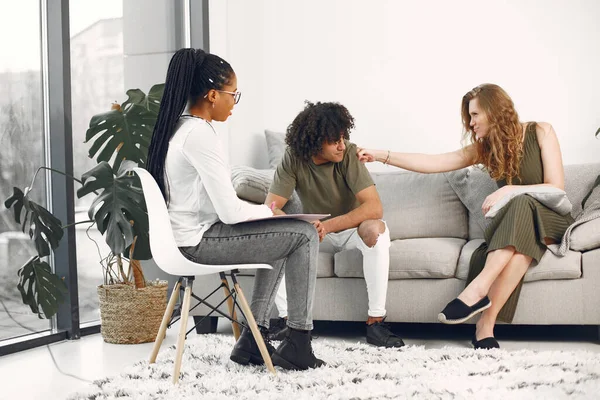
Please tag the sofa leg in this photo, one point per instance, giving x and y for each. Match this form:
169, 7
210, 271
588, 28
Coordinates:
209, 325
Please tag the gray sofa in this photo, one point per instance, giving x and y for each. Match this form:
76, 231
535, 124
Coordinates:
436, 223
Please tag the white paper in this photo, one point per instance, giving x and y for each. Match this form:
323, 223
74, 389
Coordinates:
303, 217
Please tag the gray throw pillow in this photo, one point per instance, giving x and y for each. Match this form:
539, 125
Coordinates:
250, 183
275, 147
553, 198
472, 185
253, 185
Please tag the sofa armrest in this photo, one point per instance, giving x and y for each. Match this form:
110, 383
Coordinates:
586, 236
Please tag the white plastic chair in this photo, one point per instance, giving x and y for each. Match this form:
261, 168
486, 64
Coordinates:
167, 256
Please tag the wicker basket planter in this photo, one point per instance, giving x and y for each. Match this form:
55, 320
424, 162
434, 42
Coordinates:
131, 315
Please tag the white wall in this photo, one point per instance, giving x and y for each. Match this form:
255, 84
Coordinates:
402, 67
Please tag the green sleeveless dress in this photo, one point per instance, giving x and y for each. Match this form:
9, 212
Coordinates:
523, 223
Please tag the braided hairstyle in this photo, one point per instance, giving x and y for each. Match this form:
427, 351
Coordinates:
317, 124
190, 76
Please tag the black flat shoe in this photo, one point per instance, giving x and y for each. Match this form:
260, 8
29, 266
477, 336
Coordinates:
457, 312
485, 343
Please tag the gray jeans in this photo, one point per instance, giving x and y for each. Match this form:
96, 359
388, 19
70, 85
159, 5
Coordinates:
290, 246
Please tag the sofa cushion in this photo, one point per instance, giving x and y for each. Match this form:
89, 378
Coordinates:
253, 185
462, 270
550, 266
324, 267
250, 183
420, 206
472, 185
409, 258
275, 147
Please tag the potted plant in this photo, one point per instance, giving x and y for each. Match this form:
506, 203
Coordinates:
131, 309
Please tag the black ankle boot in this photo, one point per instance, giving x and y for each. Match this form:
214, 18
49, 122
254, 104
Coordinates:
295, 352
246, 350
278, 330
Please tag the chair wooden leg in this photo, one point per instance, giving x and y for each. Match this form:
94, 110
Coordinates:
185, 311
254, 328
165, 321
232, 312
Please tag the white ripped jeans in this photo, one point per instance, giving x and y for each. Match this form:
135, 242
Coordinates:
376, 267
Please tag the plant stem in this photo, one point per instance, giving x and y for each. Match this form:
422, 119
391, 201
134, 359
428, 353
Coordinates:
80, 222
111, 275
121, 270
58, 172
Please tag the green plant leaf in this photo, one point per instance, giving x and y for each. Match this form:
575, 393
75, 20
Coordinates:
140, 229
43, 227
124, 132
121, 200
150, 102
41, 289
17, 200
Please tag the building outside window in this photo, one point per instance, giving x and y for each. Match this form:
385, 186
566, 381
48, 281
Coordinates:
96, 82
22, 140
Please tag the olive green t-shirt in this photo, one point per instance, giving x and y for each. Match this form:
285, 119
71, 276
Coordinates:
328, 188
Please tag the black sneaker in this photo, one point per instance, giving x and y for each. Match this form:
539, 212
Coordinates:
295, 352
278, 331
380, 335
246, 350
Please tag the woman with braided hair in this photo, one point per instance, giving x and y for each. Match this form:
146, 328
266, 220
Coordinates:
187, 158
516, 154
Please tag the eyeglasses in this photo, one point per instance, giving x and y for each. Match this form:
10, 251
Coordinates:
236, 95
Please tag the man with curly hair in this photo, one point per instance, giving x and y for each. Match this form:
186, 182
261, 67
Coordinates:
322, 166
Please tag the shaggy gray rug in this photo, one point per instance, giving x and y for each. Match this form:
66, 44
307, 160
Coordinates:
359, 371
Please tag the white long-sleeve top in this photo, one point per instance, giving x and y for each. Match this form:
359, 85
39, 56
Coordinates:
199, 183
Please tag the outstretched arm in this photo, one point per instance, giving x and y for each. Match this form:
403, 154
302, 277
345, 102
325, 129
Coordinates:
424, 163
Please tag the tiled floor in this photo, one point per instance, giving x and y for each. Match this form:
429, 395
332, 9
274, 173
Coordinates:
32, 374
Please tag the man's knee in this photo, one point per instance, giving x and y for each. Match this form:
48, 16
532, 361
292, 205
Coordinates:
370, 230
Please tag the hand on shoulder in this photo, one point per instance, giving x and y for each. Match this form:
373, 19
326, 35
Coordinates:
366, 155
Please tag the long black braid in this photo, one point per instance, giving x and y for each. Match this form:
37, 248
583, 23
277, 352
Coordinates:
191, 74
317, 124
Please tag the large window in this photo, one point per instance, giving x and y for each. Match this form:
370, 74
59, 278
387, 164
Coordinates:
22, 141
64, 61
96, 82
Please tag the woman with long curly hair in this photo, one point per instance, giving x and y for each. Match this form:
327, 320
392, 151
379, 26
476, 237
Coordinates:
515, 154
